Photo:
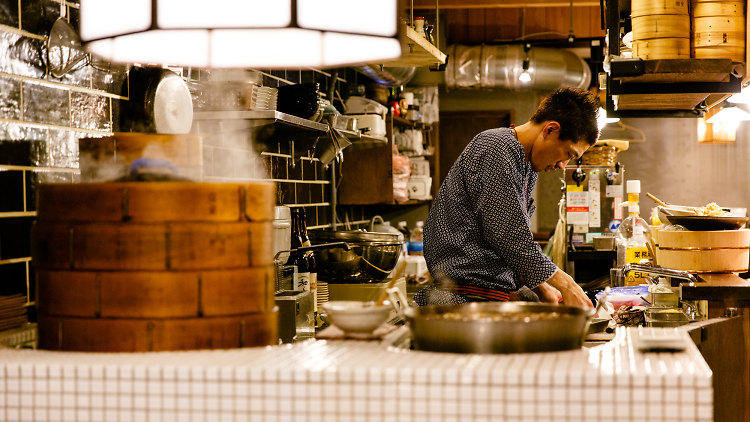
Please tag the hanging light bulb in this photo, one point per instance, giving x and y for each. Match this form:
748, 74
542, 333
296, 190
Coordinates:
242, 33
602, 120
525, 75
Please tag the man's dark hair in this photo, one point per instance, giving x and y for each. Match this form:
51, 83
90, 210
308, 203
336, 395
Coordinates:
575, 109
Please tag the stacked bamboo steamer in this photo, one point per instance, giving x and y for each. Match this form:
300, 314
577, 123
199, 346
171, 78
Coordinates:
131, 267
718, 30
661, 29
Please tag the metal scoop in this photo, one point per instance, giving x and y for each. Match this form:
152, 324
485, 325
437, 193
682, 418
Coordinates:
64, 47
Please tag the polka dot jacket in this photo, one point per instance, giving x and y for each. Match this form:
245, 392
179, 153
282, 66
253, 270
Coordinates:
478, 230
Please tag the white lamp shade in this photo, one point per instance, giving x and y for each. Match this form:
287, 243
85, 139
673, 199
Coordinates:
741, 98
365, 17
242, 33
729, 115
175, 14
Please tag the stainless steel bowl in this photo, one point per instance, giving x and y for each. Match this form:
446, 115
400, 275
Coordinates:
372, 257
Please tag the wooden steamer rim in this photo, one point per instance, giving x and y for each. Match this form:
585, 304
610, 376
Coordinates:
663, 48
660, 26
151, 247
154, 202
658, 7
155, 335
723, 8
166, 294
719, 39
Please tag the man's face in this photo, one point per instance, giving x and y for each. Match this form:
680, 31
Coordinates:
551, 153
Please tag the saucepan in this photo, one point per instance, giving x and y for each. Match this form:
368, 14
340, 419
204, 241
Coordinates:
496, 327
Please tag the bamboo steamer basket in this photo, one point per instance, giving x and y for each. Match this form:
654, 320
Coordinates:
719, 37
663, 48
704, 251
658, 7
660, 26
721, 8
124, 267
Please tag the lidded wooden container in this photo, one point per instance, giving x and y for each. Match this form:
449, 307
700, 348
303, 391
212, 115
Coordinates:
154, 266
661, 29
718, 30
704, 251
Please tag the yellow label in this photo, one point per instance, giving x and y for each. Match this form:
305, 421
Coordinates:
574, 188
634, 256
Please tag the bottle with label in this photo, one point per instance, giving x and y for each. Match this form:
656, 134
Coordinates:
416, 244
632, 249
310, 257
302, 280
407, 235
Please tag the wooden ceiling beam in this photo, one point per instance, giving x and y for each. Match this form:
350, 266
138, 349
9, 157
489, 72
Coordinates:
499, 4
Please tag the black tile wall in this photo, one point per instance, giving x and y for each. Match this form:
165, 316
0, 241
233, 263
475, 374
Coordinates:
9, 13
37, 16
10, 99
11, 191
15, 237
15, 271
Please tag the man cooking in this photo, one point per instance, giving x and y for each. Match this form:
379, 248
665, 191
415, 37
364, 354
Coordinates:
477, 238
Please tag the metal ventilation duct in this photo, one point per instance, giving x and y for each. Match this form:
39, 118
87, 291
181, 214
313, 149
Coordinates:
499, 66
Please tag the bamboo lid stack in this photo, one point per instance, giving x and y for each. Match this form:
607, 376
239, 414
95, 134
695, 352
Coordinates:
661, 29
718, 30
135, 267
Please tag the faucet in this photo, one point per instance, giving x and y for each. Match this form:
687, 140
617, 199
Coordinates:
666, 272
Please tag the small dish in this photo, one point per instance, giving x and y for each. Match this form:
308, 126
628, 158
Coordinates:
357, 317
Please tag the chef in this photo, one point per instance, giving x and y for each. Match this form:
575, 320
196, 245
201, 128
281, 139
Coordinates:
477, 238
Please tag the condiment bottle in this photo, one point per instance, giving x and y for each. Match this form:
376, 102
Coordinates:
419, 26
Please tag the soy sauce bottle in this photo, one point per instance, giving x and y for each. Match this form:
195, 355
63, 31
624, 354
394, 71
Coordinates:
300, 259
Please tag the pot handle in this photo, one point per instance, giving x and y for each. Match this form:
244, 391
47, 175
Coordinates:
398, 301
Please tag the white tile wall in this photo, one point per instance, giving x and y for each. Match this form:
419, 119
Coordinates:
357, 381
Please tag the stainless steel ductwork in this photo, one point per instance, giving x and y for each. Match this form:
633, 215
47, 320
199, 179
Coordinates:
500, 66
387, 76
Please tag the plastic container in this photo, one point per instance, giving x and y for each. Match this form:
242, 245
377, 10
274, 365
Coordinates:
628, 295
416, 244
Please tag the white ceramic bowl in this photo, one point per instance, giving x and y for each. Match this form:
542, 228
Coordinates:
357, 317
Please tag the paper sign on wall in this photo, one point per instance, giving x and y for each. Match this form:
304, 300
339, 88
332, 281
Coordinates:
614, 191
595, 211
578, 208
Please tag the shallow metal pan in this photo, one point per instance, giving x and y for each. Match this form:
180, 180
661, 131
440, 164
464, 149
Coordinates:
707, 222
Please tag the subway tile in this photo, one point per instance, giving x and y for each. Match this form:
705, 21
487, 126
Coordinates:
208, 161
9, 13
15, 237
279, 168
90, 111
11, 191
316, 193
14, 279
269, 81
37, 16
321, 173
20, 132
278, 73
295, 172
10, 98
115, 107
79, 75
74, 17
31, 180
294, 76
223, 163
351, 76
21, 55
308, 170
326, 193
62, 148
303, 193
17, 152
45, 104
285, 193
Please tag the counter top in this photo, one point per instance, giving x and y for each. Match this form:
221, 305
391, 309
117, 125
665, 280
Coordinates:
350, 380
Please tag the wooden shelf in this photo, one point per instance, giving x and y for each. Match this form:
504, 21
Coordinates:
416, 51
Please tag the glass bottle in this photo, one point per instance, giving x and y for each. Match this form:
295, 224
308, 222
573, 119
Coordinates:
416, 244
302, 279
310, 256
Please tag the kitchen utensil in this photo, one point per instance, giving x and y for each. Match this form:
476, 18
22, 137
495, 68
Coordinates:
469, 328
372, 257
160, 102
384, 295
657, 200
357, 317
597, 325
301, 100
708, 222
64, 46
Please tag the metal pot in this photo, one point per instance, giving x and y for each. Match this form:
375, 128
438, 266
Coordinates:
371, 258
160, 102
472, 332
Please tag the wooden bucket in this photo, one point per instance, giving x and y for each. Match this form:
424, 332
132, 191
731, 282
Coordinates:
704, 251
658, 7
663, 48
661, 26
125, 267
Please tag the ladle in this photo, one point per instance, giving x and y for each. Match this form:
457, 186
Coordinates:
64, 46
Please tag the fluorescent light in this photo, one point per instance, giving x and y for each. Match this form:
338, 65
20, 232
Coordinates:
741, 98
729, 115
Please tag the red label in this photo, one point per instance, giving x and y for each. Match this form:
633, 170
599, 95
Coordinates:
578, 209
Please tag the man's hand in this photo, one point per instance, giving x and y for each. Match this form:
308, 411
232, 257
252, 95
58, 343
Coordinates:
548, 293
572, 293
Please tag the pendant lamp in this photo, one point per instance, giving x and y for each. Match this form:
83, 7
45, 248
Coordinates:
242, 33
